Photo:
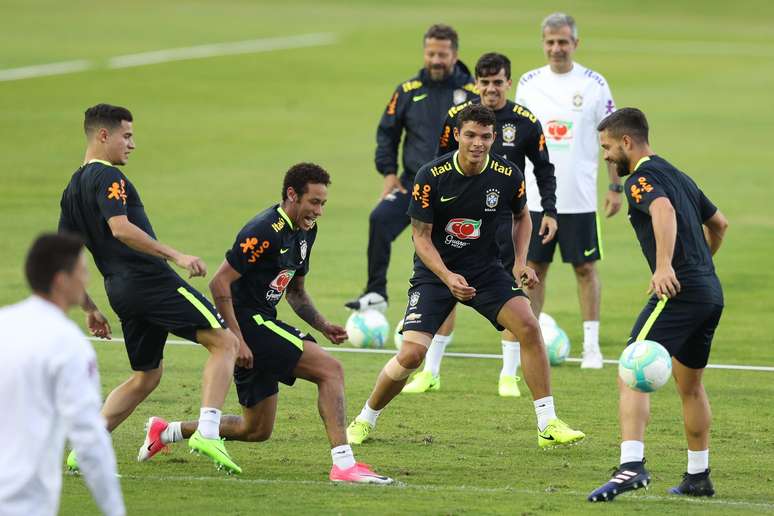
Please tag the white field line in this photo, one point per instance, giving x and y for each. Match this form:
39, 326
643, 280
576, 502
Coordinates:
452, 488
221, 49
27, 72
733, 367
252, 46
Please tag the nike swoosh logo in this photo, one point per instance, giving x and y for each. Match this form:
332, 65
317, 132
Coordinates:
283, 251
417, 98
515, 288
589, 252
547, 437
447, 199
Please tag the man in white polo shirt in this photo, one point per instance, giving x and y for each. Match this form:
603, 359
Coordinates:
570, 100
50, 389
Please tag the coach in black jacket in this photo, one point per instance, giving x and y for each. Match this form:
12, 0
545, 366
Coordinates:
419, 107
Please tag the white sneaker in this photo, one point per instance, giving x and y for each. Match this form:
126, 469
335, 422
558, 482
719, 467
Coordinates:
368, 301
592, 360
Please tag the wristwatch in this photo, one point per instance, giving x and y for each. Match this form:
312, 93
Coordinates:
618, 188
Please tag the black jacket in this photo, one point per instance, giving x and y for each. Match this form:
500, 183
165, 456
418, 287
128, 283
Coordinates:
419, 106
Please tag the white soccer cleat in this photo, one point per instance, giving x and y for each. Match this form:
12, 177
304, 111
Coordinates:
592, 360
368, 301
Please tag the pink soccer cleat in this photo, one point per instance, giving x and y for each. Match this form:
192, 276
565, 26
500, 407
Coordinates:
153, 443
358, 474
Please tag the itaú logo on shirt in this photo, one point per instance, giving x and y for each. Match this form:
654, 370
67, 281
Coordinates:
464, 229
559, 130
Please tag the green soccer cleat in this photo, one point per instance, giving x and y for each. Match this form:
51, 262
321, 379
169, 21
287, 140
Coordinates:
508, 387
358, 431
423, 382
557, 433
72, 462
214, 449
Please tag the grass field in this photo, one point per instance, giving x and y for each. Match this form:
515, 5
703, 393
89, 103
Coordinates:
214, 138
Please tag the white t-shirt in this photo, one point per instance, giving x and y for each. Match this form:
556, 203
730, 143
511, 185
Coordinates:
49, 391
569, 106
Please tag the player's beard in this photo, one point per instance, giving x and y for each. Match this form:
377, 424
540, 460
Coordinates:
622, 167
439, 73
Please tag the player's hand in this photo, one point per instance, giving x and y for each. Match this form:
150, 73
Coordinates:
392, 183
527, 276
612, 203
334, 333
548, 227
193, 264
459, 287
244, 355
664, 283
98, 324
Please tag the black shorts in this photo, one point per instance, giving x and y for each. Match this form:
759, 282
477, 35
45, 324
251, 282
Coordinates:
684, 328
430, 303
578, 237
152, 306
276, 348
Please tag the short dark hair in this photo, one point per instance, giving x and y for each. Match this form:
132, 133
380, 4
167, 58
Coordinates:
105, 115
441, 31
302, 174
626, 121
491, 63
477, 113
49, 254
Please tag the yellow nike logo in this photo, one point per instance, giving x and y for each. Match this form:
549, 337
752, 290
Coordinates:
589, 252
417, 98
447, 199
283, 251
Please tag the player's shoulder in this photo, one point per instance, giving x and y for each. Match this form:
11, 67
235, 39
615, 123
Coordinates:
455, 110
532, 76
267, 223
521, 113
439, 166
97, 168
410, 85
504, 166
589, 75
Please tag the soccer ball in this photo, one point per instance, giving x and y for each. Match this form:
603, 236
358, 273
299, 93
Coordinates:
397, 338
557, 344
367, 329
546, 320
645, 365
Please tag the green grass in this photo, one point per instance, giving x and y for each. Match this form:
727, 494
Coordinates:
214, 138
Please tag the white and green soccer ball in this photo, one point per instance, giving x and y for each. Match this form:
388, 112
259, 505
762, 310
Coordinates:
546, 321
557, 343
645, 365
397, 338
367, 329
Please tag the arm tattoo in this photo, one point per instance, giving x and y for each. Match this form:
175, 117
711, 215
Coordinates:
299, 300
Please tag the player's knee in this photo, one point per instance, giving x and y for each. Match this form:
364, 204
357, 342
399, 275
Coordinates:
585, 271
411, 357
332, 371
146, 381
260, 434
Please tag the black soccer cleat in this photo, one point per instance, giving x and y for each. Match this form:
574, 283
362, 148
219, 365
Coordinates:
627, 477
368, 301
697, 484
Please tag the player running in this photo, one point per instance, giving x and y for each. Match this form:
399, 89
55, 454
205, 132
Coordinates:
102, 206
518, 135
679, 229
271, 256
455, 205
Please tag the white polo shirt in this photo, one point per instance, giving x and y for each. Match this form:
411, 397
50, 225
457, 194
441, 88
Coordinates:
49, 391
569, 107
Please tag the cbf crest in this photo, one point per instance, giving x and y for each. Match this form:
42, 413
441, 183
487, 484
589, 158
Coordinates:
492, 199
413, 299
303, 250
509, 134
